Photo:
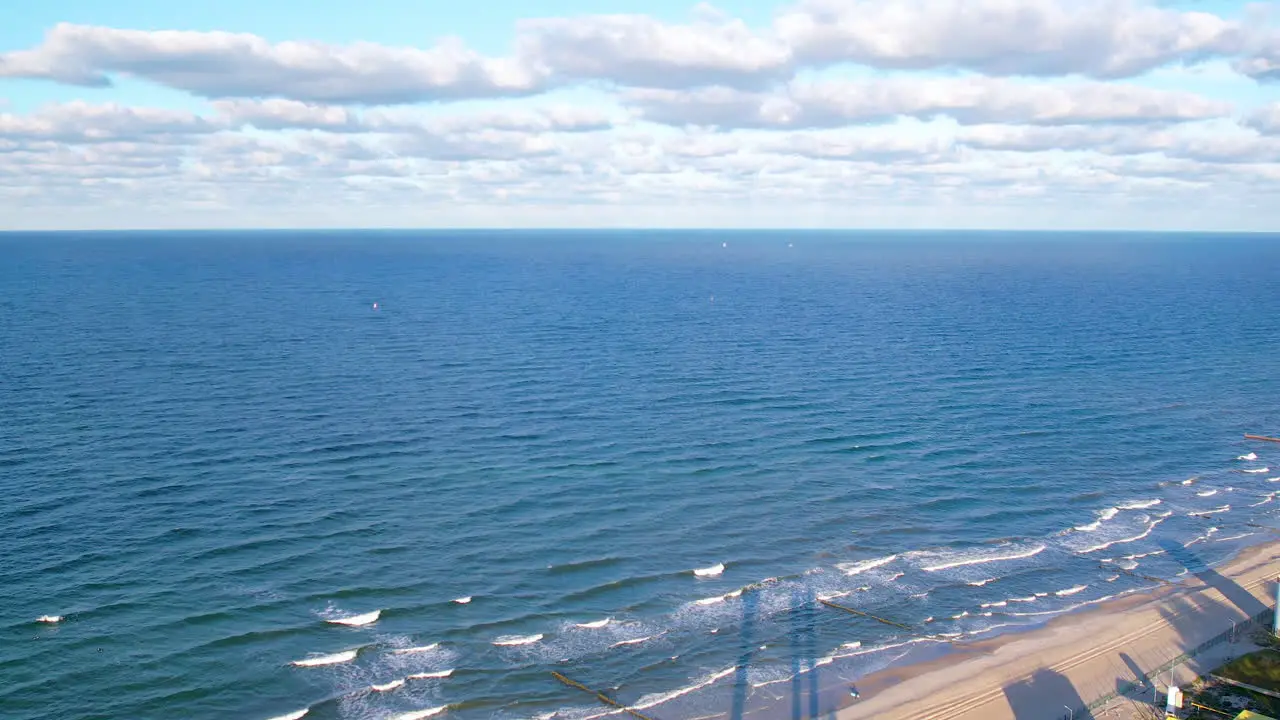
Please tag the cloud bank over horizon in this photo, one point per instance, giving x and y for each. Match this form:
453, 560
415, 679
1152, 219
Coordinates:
834, 113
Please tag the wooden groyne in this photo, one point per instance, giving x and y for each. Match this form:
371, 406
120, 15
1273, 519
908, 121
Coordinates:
600, 696
1264, 438
860, 613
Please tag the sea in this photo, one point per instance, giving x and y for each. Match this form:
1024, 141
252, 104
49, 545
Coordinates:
475, 474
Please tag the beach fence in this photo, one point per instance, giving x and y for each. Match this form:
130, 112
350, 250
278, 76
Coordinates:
1263, 619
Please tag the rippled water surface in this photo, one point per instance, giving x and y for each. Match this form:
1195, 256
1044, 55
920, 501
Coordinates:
643, 458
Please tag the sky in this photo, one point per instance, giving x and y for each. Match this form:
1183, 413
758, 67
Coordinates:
972, 114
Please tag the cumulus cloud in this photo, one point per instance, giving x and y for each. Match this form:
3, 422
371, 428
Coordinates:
224, 65
637, 50
1099, 38
81, 122
279, 114
968, 100
1265, 119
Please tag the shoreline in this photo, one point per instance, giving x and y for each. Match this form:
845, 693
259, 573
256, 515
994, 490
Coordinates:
1062, 663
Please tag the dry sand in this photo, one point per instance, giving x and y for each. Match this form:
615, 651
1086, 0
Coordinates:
1078, 658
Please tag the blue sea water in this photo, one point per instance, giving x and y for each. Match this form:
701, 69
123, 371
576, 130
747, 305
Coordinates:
213, 444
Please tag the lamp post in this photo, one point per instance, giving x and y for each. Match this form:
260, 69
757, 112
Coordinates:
1071, 714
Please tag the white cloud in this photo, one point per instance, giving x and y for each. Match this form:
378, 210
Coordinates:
1266, 119
968, 100
1099, 38
80, 122
637, 50
223, 65
704, 122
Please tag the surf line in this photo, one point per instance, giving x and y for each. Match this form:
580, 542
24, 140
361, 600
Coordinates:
599, 695
1131, 573
837, 606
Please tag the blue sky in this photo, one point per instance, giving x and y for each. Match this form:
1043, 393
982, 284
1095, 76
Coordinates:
869, 113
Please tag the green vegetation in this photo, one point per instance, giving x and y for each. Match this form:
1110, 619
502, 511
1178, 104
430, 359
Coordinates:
1260, 668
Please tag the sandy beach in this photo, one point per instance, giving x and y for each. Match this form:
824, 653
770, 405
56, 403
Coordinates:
1074, 660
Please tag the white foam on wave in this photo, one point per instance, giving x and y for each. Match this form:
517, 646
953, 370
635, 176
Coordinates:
1002, 603
388, 687
654, 699
334, 659
834, 595
980, 583
357, 620
1265, 499
436, 675
719, 598
1248, 457
1103, 516
1207, 493
861, 567
1150, 527
1071, 590
412, 650
420, 714
463, 600
712, 571
295, 715
636, 641
49, 619
1258, 470
1029, 598
1274, 479
961, 615
594, 624
1234, 537
1188, 481
516, 640
1215, 511
1141, 504
983, 559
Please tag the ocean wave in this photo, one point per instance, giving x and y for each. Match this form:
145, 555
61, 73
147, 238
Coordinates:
1207, 493
636, 641
861, 567
420, 714
1000, 603
1248, 457
436, 675
1257, 470
412, 650
1071, 590
712, 571
594, 624
655, 699
388, 687
1215, 511
295, 715
980, 583
516, 640
1141, 504
1188, 481
1103, 516
356, 620
49, 619
1274, 479
463, 600
718, 598
982, 559
1029, 598
334, 659
1265, 499
1234, 537
1150, 527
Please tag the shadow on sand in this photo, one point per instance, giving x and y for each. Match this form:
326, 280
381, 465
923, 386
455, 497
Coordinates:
1046, 695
